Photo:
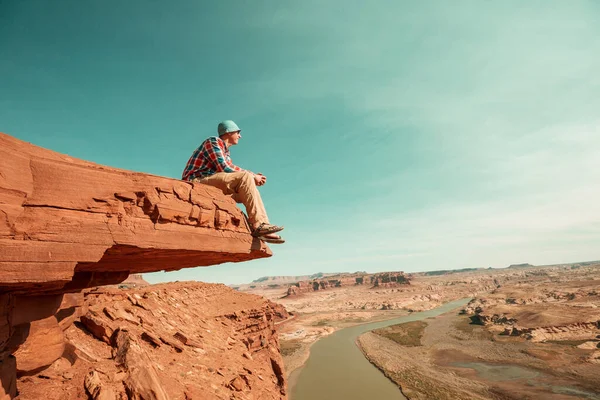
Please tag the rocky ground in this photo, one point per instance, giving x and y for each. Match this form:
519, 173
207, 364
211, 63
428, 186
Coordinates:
535, 336
177, 341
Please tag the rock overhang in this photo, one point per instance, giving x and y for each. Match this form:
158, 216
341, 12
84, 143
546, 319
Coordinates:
67, 224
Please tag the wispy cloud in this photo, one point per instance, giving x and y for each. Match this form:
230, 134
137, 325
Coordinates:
498, 121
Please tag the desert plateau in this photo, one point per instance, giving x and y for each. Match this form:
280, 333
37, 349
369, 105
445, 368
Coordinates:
523, 332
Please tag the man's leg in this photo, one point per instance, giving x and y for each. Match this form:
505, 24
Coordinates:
242, 187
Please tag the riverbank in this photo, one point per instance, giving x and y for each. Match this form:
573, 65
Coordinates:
321, 313
458, 360
297, 336
336, 367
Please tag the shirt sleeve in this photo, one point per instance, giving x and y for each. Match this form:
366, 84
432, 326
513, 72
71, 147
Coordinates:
221, 160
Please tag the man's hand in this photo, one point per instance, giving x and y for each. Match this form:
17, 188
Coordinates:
260, 179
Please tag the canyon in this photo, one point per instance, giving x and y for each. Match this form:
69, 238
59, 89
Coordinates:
319, 313
77, 320
527, 332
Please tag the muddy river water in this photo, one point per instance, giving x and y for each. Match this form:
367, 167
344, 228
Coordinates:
336, 368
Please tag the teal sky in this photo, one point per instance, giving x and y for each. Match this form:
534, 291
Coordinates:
402, 135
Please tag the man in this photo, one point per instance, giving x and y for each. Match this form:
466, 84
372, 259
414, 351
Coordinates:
211, 164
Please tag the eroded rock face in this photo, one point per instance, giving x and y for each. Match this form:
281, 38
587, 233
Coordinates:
169, 341
68, 224
8, 378
540, 311
575, 331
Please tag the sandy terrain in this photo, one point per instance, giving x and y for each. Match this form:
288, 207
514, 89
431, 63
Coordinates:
539, 339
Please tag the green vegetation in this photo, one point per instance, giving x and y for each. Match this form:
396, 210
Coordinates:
273, 285
407, 334
525, 265
417, 386
353, 320
289, 347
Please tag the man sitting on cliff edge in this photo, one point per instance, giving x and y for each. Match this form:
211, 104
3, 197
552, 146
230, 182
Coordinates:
211, 164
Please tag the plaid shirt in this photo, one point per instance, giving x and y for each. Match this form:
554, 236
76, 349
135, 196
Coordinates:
211, 157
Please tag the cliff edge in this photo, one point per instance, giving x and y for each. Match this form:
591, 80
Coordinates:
68, 224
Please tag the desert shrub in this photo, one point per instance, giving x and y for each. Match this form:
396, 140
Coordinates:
407, 334
289, 347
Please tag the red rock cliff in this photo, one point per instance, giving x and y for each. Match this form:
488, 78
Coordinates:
68, 224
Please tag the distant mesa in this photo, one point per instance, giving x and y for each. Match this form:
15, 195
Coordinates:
447, 271
133, 281
380, 279
291, 278
524, 265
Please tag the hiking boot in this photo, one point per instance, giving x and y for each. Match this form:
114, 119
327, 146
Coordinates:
265, 229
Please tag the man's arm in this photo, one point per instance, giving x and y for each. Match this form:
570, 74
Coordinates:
224, 164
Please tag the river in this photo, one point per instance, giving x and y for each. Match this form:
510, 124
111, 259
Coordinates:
337, 369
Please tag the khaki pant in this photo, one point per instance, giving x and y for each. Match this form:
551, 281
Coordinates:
242, 188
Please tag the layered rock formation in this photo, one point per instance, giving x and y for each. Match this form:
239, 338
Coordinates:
538, 337
548, 309
171, 341
68, 224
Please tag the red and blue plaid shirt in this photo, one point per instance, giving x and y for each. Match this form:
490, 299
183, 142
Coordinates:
211, 157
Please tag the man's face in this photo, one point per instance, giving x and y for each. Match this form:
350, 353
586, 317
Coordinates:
235, 137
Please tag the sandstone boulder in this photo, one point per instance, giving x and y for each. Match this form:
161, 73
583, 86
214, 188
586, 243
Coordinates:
44, 344
142, 381
96, 389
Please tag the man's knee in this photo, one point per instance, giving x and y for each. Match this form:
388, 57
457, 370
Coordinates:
247, 177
